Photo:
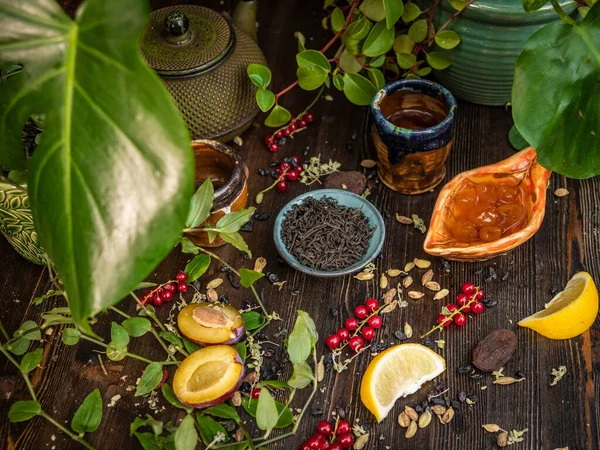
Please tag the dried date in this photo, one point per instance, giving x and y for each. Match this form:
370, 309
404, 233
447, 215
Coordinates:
494, 350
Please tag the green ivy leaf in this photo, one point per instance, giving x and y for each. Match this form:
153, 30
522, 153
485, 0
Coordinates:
358, 89
188, 246
137, 326
302, 376
171, 337
337, 20
150, 379
410, 13
312, 58
232, 222
403, 43
338, 81
169, 395
348, 63
201, 204
447, 39
376, 77
438, 60
359, 29
209, 428
311, 78
418, 30
393, 11
24, 410
266, 411
197, 267
249, 277
186, 437
237, 241
533, 5
406, 60
516, 140
286, 419
88, 416
279, 116
458, 5
252, 320
265, 99
119, 336
70, 336
31, 360
260, 75
223, 411
379, 41
377, 61
373, 9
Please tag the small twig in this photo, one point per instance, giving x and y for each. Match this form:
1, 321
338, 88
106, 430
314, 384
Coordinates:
12, 183
102, 364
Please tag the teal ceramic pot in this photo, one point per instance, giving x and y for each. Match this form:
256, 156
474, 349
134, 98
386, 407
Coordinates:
493, 33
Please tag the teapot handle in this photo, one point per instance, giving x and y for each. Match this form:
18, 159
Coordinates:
177, 25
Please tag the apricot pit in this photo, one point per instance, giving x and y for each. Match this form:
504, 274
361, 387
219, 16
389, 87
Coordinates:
211, 323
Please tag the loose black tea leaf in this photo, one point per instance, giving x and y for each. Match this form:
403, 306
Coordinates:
325, 235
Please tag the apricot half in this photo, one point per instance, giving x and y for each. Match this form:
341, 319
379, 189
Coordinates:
208, 376
211, 323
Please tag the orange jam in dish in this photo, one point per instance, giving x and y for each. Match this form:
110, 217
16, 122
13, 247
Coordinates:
487, 210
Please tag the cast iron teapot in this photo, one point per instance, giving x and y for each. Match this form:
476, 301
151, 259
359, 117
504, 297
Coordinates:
202, 56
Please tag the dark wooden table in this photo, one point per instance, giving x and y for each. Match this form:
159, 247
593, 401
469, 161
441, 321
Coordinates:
567, 414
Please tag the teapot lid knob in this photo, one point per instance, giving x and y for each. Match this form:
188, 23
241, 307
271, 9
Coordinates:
177, 25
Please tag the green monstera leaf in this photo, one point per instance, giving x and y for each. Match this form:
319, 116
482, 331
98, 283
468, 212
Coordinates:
111, 181
555, 96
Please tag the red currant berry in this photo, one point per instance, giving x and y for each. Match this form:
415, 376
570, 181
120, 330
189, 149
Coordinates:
299, 168
335, 446
169, 287
166, 296
302, 124
182, 287
268, 140
157, 301
375, 322
343, 334
351, 323
274, 147
255, 393
480, 294
278, 135
468, 288
451, 307
372, 304
460, 320
296, 160
305, 446
346, 440
181, 276
477, 307
314, 444
278, 171
368, 333
292, 175
308, 117
462, 300
147, 298
343, 427
284, 166
292, 127
325, 445
282, 186
333, 341
443, 320
325, 428
286, 132
356, 343
361, 311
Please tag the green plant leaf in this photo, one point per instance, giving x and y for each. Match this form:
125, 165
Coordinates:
260, 75
144, 285
70, 336
279, 116
201, 204
376, 77
265, 99
418, 30
232, 222
516, 140
301, 41
167, 392
137, 326
348, 63
302, 376
338, 81
248, 277
410, 13
115, 355
393, 12
359, 29
186, 437
447, 39
458, 5
277, 384
28, 332
266, 411
555, 96
148, 441
337, 20
311, 78
406, 60
171, 337
373, 9
139, 422
424, 71
190, 346
105, 112
209, 428
188, 246
358, 89
379, 41
298, 343
197, 267
223, 411
286, 419
438, 60
252, 320
24, 410
313, 58
119, 336
88, 416
328, 3
377, 61
150, 379
403, 43
533, 5
31, 360
237, 241
310, 326
352, 46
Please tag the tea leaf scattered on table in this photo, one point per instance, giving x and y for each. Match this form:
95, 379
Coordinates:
171, 337
237, 241
88, 416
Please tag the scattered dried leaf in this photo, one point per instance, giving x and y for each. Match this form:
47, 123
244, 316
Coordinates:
321, 369
441, 343
419, 223
558, 374
507, 380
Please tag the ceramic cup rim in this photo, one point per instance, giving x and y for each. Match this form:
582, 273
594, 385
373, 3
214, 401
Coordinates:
417, 86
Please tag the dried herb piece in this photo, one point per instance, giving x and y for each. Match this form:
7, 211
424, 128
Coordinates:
314, 169
558, 374
419, 224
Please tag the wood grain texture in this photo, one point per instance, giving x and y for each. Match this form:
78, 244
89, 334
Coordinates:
567, 414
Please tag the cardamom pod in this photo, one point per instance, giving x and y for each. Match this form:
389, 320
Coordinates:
507, 380
403, 420
239, 435
408, 331
404, 220
260, 264
441, 294
364, 276
491, 427
407, 281
383, 281
393, 272
213, 284
361, 441
368, 163
561, 192
389, 296
502, 439
448, 415
410, 412
415, 295
389, 308
321, 369
411, 430
438, 410
212, 295
422, 263
424, 419
236, 398
409, 266
427, 277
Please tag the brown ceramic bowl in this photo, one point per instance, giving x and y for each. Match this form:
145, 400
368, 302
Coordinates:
229, 175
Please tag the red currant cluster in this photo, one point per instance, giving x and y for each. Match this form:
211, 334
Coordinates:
295, 125
363, 325
329, 437
291, 170
164, 292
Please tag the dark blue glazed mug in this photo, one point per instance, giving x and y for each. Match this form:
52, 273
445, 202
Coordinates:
413, 132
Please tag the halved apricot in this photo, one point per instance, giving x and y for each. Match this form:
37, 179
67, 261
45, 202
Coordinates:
211, 323
208, 376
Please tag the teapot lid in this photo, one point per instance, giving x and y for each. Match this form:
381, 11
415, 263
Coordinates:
186, 40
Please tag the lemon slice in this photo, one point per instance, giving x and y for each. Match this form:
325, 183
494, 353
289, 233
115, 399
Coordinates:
570, 312
397, 372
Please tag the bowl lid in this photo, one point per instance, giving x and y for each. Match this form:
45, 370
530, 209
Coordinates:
186, 40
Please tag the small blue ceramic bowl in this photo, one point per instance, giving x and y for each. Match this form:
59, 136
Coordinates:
344, 198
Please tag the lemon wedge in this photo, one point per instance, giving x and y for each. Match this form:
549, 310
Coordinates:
570, 312
397, 372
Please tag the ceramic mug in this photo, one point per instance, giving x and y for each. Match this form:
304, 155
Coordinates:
412, 160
